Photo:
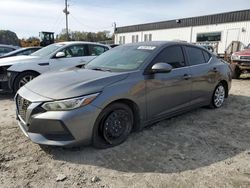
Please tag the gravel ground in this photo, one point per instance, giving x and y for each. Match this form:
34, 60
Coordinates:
202, 148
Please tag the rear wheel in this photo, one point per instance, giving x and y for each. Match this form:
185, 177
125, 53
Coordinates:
23, 78
218, 96
113, 126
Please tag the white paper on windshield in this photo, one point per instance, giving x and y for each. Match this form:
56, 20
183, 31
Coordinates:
146, 47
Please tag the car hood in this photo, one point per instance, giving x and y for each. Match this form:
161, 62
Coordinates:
72, 83
245, 52
17, 59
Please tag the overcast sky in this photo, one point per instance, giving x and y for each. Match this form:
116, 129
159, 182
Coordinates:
28, 17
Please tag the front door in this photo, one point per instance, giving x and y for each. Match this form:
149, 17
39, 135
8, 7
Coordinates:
168, 92
75, 55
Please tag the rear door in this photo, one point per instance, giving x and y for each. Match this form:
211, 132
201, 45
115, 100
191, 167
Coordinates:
168, 92
203, 73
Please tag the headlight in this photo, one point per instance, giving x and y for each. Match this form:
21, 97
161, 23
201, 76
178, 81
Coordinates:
235, 57
69, 104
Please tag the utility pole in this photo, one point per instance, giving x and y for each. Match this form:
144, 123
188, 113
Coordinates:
114, 24
66, 12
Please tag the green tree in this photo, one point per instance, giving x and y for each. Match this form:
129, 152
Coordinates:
84, 36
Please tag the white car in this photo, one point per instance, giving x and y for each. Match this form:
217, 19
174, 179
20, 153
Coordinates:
17, 71
4, 49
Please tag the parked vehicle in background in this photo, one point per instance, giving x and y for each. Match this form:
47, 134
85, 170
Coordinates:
4, 49
21, 51
17, 71
124, 89
46, 38
240, 62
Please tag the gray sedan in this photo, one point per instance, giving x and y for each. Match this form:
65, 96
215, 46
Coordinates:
122, 90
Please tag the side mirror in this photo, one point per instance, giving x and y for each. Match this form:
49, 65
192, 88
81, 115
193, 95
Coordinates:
60, 55
161, 68
81, 65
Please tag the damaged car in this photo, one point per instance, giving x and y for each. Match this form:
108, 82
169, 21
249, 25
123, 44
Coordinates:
122, 90
17, 71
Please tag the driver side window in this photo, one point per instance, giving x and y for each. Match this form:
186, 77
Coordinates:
75, 51
172, 55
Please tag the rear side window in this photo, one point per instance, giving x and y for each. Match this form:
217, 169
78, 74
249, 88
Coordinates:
207, 56
95, 50
172, 55
195, 56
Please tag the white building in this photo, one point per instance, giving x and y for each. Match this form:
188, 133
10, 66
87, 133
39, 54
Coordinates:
220, 29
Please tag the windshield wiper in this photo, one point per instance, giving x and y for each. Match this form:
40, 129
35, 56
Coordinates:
101, 69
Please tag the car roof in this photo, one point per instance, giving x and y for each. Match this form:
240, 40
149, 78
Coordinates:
161, 43
80, 42
26, 48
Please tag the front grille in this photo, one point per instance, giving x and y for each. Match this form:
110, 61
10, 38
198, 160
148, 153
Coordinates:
245, 57
22, 106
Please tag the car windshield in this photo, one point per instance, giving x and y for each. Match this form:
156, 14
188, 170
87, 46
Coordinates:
120, 59
47, 50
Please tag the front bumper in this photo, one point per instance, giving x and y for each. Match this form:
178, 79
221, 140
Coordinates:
4, 81
242, 65
7, 81
58, 128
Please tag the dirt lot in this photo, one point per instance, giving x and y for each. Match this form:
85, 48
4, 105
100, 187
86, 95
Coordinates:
203, 148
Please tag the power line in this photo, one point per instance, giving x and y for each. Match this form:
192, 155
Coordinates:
88, 26
57, 23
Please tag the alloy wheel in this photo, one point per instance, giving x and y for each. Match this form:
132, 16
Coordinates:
25, 80
219, 96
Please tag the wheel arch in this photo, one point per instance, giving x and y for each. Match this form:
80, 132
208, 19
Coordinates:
135, 109
14, 80
225, 84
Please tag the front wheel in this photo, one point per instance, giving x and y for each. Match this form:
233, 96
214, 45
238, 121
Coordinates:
22, 79
218, 96
113, 126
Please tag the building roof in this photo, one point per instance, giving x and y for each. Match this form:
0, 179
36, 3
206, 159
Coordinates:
236, 16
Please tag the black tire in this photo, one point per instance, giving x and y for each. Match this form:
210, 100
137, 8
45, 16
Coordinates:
113, 126
236, 73
218, 97
19, 81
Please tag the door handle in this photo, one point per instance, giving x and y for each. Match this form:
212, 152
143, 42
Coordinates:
43, 64
186, 76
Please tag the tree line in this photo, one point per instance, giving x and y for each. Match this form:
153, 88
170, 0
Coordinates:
85, 36
10, 38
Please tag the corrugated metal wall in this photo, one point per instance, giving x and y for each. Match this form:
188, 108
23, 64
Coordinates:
189, 34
